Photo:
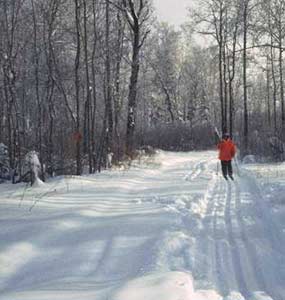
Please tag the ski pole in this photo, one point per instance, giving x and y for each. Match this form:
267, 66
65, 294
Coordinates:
237, 167
217, 173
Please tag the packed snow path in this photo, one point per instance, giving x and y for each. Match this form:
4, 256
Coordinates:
172, 229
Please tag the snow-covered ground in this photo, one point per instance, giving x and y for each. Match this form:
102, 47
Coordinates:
171, 229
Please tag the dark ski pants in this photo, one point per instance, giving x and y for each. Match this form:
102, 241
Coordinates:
227, 168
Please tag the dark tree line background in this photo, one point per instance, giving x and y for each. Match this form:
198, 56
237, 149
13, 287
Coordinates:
82, 81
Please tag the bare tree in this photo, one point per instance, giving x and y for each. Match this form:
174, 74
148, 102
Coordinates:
108, 83
77, 85
136, 13
245, 8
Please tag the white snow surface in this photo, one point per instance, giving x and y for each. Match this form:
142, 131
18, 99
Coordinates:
168, 229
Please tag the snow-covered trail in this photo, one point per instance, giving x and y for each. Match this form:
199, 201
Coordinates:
171, 230
245, 255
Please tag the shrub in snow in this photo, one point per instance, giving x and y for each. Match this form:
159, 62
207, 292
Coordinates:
109, 159
148, 150
4, 162
33, 162
278, 148
249, 159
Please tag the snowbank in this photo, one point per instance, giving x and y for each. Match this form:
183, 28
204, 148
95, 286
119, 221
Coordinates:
166, 286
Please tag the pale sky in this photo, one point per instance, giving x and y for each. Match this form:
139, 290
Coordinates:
172, 11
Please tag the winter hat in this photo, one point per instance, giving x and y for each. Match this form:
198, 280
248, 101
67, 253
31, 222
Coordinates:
226, 135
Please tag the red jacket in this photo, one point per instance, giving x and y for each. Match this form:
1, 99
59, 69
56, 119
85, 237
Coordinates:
227, 150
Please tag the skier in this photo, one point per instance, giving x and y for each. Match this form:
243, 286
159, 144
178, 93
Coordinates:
227, 151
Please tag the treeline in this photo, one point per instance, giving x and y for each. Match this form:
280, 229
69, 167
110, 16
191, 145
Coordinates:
69, 78
247, 42
84, 81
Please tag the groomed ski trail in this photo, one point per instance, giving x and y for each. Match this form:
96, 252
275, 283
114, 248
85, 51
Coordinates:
239, 249
243, 248
172, 229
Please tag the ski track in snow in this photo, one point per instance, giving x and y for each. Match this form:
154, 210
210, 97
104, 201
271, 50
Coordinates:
169, 230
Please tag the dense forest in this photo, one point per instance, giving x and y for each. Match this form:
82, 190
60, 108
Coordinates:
84, 82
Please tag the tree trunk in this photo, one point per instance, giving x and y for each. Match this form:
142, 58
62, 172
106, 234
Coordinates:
274, 86
281, 83
108, 87
225, 73
268, 92
221, 74
136, 20
117, 102
231, 75
77, 87
245, 100
133, 93
94, 87
88, 89
38, 98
